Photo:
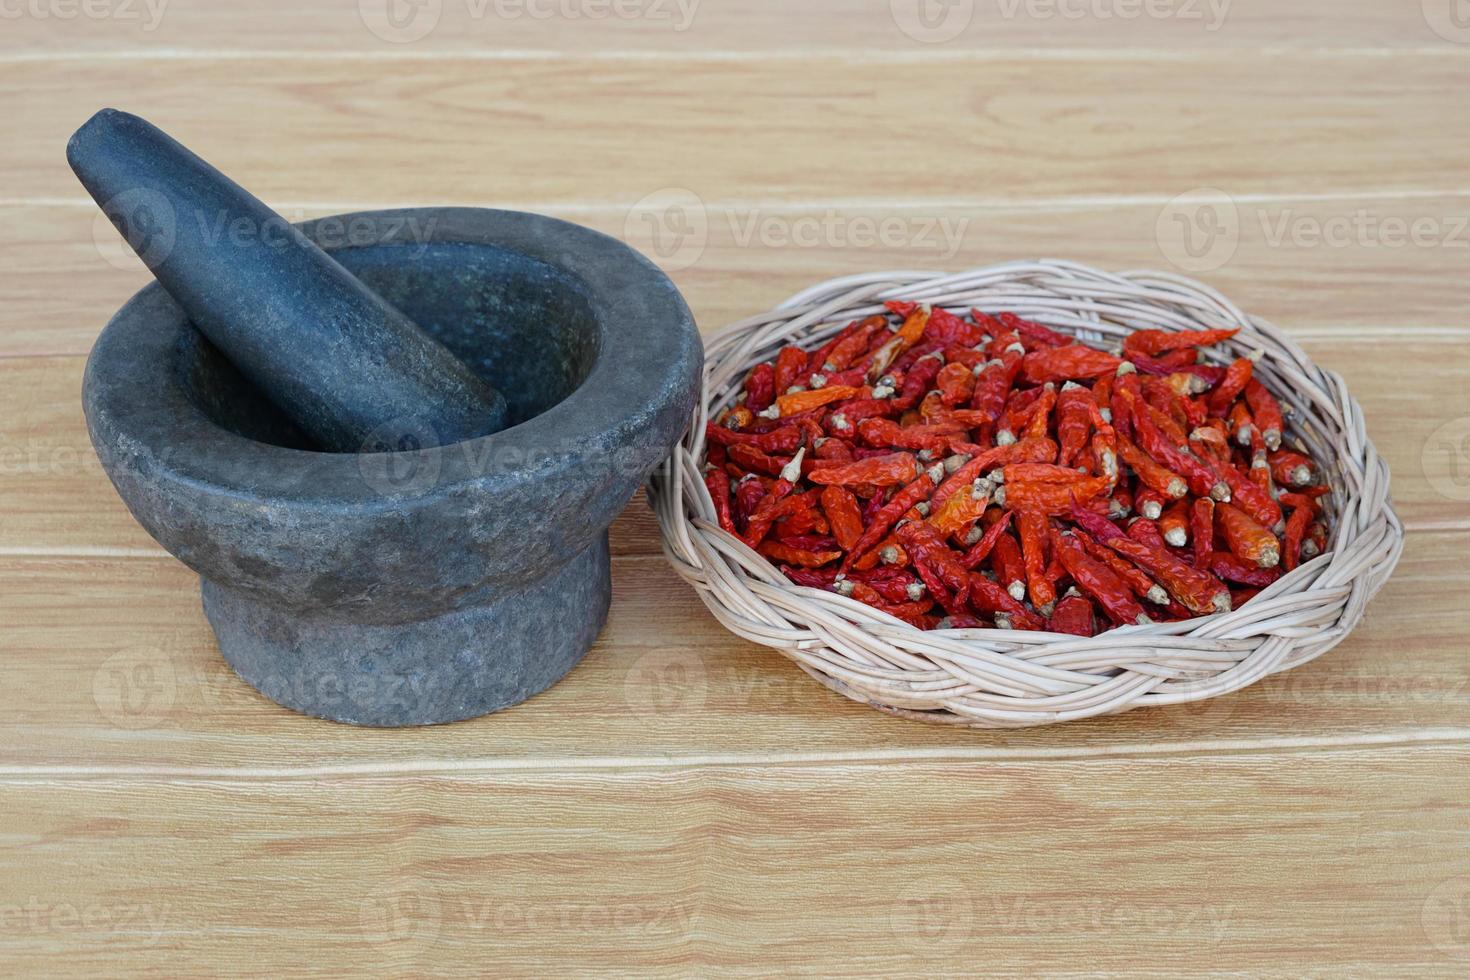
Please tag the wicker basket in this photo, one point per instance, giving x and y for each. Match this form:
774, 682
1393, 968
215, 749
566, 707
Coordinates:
992, 678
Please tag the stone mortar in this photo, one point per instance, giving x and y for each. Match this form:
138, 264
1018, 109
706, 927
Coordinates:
440, 582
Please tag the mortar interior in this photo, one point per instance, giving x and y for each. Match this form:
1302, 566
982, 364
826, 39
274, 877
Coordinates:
523, 325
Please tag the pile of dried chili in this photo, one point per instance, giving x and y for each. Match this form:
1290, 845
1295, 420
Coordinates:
989, 471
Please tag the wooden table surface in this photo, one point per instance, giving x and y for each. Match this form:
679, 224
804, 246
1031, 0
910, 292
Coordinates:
686, 803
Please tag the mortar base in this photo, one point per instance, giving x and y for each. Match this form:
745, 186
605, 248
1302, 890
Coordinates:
461, 664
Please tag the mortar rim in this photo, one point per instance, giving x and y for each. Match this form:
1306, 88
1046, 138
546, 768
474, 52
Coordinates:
636, 307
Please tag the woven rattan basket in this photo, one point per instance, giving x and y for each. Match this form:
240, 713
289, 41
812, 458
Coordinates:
992, 678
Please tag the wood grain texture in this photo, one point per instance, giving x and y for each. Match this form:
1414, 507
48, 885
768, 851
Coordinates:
1098, 866
1003, 128
685, 803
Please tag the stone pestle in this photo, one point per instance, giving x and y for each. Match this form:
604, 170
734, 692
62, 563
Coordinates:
354, 373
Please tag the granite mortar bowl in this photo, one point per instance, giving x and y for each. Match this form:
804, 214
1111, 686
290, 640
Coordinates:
436, 583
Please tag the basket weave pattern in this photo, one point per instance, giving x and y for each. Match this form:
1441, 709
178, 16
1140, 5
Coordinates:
993, 678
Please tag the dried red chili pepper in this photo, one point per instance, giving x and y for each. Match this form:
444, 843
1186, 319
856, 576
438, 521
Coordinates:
1054, 498
919, 490
1250, 497
717, 482
1038, 423
1247, 540
760, 387
936, 438
1202, 480
956, 384
960, 512
1033, 529
843, 515
1229, 568
1073, 615
768, 511
1237, 376
1098, 581
907, 336
925, 546
804, 401
1202, 528
1199, 591
991, 600
1034, 332
1292, 469
1266, 412
752, 460
783, 440
946, 328
1074, 412
981, 549
1174, 524
1010, 570
1070, 363
1137, 579
790, 368
1296, 531
811, 578
783, 551
843, 351
1150, 503
1154, 475
887, 470
1152, 343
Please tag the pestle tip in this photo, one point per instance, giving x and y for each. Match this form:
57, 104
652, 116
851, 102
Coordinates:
83, 142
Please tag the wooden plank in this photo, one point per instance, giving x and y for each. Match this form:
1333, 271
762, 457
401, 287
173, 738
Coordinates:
1301, 262
750, 27
111, 666
321, 131
54, 498
1279, 863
